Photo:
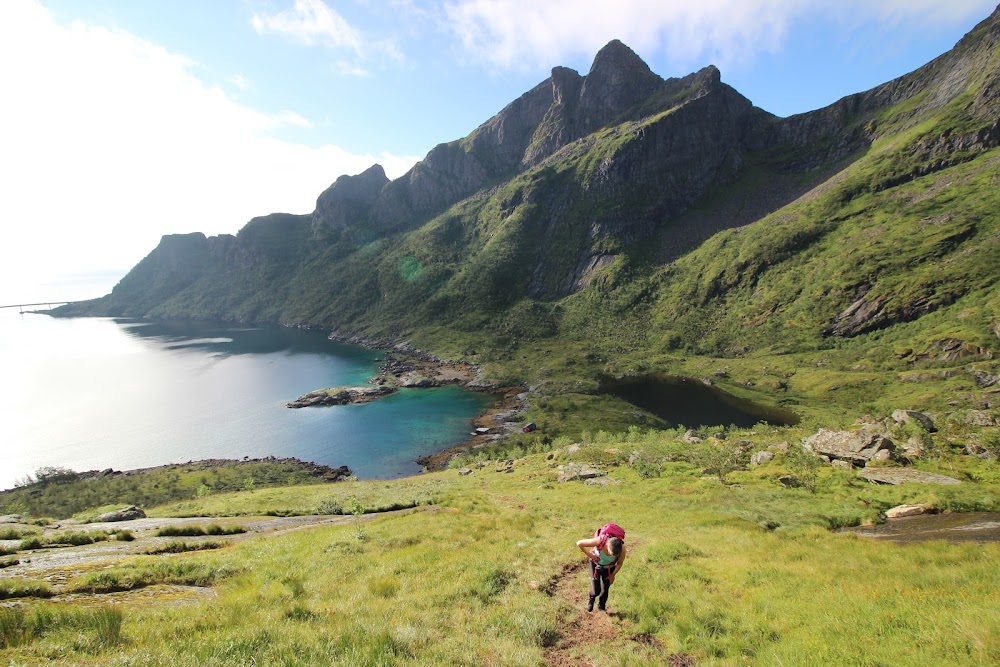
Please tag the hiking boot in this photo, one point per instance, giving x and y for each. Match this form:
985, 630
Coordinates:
590, 604
600, 608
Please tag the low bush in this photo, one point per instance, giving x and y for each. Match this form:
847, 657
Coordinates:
197, 531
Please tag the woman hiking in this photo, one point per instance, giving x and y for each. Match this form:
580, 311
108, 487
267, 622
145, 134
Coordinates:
606, 552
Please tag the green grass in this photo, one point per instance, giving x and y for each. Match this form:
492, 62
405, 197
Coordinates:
192, 531
157, 486
745, 572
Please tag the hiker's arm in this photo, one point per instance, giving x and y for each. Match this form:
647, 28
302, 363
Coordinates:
587, 545
618, 566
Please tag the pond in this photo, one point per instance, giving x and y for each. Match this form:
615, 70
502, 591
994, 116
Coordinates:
690, 402
952, 527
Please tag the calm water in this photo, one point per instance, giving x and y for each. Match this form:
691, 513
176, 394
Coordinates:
692, 403
94, 393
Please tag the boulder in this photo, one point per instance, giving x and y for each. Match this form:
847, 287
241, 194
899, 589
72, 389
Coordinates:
857, 447
761, 457
906, 510
906, 416
601, 481
576, 471
846, 465
129, 513
980, 418
464, 471
985, 380
790, 481
913, 448
780, 448
11, 518
904, 475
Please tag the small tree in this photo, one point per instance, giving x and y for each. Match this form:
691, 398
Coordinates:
51, 474
804, 465
358, 510
719, 459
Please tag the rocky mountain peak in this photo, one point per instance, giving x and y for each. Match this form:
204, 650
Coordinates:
350, 198
618, 79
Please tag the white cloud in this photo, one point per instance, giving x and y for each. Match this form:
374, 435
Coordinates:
314, 23
110, 141
311, 22
241, 82
529, 34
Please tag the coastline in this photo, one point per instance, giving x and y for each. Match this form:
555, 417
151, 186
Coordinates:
409, 367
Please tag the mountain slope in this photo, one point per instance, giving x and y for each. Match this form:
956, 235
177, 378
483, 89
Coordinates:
631, 215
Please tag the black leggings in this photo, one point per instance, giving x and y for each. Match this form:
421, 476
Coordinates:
600, 582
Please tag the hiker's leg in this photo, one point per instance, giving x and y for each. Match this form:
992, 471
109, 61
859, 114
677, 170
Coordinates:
595, 587
605, 579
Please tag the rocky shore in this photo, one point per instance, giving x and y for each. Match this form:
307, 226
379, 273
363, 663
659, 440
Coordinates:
406, 367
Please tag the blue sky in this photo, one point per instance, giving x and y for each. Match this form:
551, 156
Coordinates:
127, 119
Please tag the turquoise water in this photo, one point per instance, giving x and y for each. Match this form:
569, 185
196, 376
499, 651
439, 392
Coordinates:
94, 393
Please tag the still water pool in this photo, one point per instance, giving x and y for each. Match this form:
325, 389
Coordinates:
94, 393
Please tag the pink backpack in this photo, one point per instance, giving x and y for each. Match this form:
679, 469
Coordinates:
609, 530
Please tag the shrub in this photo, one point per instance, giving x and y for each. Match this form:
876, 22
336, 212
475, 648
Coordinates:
14, 588
197, 531
330, 506
804, 465
10, 533
33, 542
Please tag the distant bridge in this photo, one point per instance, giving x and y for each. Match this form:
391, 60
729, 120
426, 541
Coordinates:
22, 306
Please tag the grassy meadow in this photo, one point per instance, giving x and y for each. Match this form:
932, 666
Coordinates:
483, 570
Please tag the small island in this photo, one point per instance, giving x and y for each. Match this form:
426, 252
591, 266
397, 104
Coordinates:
341, 396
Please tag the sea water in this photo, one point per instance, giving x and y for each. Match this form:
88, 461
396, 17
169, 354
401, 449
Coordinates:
96, 393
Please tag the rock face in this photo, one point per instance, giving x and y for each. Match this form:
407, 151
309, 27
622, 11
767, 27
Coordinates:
129, 513
340, 396
857, 447
349, 200
905, 416
578, 471
904, 475
563, 187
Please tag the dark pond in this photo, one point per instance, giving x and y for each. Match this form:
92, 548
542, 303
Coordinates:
690, 402
956, 527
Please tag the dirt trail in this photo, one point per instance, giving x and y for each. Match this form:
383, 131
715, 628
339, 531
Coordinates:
581, 630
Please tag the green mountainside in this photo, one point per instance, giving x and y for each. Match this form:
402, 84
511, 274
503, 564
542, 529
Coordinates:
620, 223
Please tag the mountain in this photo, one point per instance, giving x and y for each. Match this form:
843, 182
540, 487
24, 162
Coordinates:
628, 220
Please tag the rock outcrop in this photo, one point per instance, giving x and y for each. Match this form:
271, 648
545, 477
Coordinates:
904, 475
349, 200
340, 396
857, 447
129, 513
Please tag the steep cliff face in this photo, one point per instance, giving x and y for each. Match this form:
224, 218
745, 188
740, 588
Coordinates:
349, 200
712, 219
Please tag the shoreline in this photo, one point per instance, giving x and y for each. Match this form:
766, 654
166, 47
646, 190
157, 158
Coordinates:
417, 369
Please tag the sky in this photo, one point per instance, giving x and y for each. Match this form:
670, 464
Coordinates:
123, 120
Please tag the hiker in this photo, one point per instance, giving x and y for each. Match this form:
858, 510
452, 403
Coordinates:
606, 552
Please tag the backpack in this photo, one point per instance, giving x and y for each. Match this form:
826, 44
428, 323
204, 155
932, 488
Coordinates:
609, 530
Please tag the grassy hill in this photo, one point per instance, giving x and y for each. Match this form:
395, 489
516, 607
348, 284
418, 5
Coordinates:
745, 572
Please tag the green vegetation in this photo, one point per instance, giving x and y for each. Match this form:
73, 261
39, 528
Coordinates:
65, 494
193, 531
743, 572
